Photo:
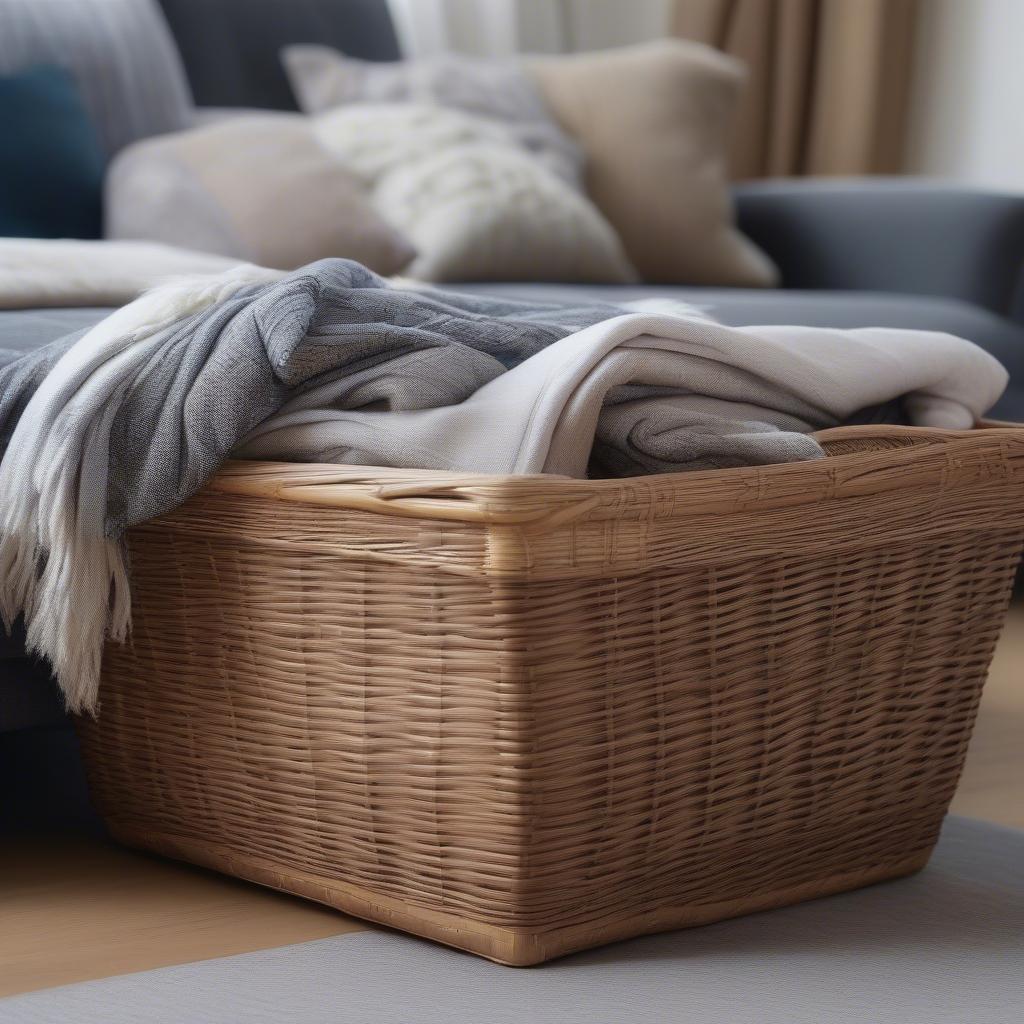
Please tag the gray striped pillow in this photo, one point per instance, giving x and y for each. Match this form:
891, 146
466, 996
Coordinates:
121, 53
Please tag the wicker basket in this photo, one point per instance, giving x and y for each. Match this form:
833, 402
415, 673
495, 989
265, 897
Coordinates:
526, 715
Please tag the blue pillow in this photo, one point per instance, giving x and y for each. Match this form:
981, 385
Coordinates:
51, 163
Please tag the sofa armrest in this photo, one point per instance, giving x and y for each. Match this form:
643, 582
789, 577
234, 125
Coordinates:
889, 234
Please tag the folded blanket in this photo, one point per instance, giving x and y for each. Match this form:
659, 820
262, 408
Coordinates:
331, 363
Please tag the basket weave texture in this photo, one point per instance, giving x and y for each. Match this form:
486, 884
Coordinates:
524, 716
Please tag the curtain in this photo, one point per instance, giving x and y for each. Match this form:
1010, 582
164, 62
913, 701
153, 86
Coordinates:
828, 81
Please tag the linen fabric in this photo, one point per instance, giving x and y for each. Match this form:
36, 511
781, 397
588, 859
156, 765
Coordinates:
323, 78
654, 121
120, 54
259, 188
331, 363
473, 203
51, 162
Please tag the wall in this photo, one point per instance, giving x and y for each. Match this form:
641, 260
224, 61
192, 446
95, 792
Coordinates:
967, 100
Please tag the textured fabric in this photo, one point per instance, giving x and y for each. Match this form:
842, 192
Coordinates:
323, 78
119, 52
829, 81
51, 164
664, 392
941, 946
654, 121
259, 188
231, 48
332, 364
473, 203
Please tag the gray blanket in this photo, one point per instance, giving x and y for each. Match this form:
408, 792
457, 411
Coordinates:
333, 332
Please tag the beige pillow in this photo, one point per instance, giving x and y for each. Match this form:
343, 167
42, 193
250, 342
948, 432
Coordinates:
654, 121
257, 187
476, 206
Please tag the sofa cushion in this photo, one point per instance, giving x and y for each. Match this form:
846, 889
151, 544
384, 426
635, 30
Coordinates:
51, 161
654, 123
323, 79
119, 52
29, 697
472, 201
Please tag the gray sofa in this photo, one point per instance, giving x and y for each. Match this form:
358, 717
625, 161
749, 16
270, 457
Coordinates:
852, 253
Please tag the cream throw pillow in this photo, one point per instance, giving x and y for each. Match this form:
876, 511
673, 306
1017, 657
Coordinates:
256, 187
654, 121
322, 79
476, 206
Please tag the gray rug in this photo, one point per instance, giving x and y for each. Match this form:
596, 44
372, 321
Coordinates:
945, 945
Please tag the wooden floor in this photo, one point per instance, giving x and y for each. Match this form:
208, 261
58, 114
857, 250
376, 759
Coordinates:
83, 910
75, 910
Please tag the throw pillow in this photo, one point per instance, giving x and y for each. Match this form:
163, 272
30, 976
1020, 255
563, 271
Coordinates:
120, 53
476, 205
51, 165
322, 78
654, 121
259, 187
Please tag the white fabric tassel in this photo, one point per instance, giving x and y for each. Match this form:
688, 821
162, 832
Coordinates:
57, 566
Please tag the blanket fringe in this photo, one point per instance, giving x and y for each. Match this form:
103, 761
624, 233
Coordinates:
58, 569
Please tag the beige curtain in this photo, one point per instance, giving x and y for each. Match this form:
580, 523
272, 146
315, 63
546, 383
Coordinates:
828, 80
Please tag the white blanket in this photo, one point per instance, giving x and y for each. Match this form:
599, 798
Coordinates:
687, 376
38, 272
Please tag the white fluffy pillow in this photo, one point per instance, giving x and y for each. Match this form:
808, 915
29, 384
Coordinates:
322, 79
474, 204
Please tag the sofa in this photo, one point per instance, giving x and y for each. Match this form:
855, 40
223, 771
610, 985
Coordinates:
885, 252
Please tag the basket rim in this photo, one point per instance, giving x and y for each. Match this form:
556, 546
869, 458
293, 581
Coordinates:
895, 458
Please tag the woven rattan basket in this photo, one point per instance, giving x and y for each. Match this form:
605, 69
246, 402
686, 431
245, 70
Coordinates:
525, 715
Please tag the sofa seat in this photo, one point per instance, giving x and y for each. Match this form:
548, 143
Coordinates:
28, 696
